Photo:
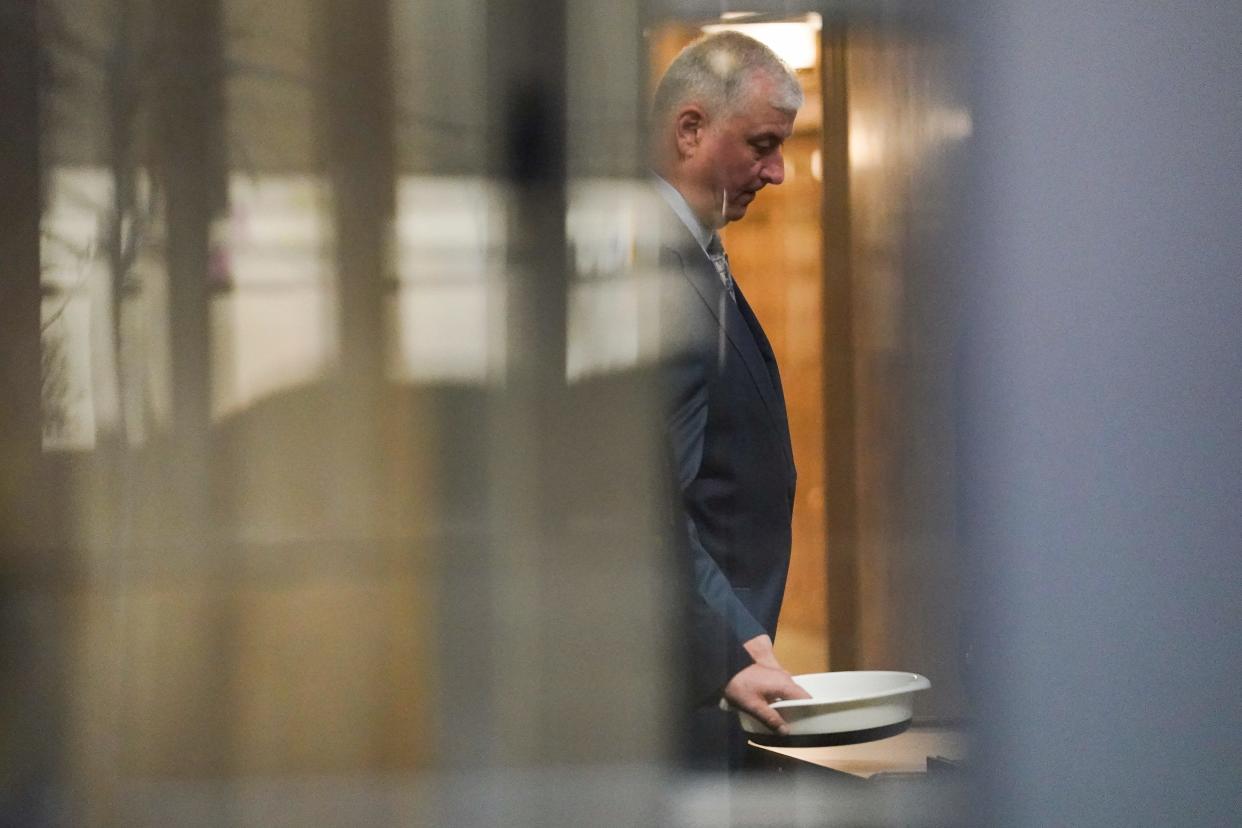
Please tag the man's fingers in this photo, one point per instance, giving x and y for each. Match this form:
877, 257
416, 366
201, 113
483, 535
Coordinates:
793, 690
764, 713
768, 715
754, 688
785, 690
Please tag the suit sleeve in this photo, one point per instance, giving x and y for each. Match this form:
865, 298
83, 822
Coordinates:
718, 622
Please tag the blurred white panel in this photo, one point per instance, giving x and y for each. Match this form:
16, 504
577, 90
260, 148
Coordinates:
449, 228
80, 380
448, 315
275, 328
447, 332
278, 232
602, 224
267, 341
603, 327
78, 202
611, 291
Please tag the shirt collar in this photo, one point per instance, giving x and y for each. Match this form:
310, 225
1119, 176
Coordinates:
681, 207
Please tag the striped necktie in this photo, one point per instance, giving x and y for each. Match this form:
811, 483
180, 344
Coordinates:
715, 252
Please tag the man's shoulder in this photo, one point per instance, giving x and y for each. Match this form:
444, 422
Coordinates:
662, 238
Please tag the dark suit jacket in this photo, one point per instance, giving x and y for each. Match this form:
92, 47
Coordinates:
729, 436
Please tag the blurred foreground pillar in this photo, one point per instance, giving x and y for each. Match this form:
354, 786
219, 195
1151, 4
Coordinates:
1101, 427
32, 630
578, 568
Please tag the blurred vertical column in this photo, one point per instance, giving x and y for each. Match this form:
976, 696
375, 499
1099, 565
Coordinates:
840, 472
32, 630
526, 80
359, 585
447, 330
191, 540
20, 429
576, 566
20, 426
895, 594
526, 57
169, 727
193, 167
383, 473
356, 119
1101, 434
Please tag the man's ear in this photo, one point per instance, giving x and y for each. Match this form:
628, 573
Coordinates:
691, 121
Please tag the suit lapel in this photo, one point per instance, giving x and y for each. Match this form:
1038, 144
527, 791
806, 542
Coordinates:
702, 274
769, 361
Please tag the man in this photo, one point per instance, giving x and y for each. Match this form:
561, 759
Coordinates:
720, 116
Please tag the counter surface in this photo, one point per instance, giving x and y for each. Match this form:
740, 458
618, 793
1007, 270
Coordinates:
904, 753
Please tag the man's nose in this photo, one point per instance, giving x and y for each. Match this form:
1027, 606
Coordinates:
774, 170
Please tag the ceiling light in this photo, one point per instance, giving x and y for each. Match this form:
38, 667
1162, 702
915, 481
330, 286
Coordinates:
794, 40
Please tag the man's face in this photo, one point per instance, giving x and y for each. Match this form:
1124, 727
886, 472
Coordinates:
741, 152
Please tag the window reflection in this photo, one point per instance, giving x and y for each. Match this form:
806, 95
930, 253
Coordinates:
448, 312
273, 325
613, 298
100, 375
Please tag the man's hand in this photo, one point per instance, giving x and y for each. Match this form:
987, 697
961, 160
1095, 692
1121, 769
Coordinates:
757, 686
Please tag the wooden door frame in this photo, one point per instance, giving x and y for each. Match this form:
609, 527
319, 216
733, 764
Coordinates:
840, 471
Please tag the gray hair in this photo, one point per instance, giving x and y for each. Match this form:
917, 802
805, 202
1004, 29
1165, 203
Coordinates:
714, 71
